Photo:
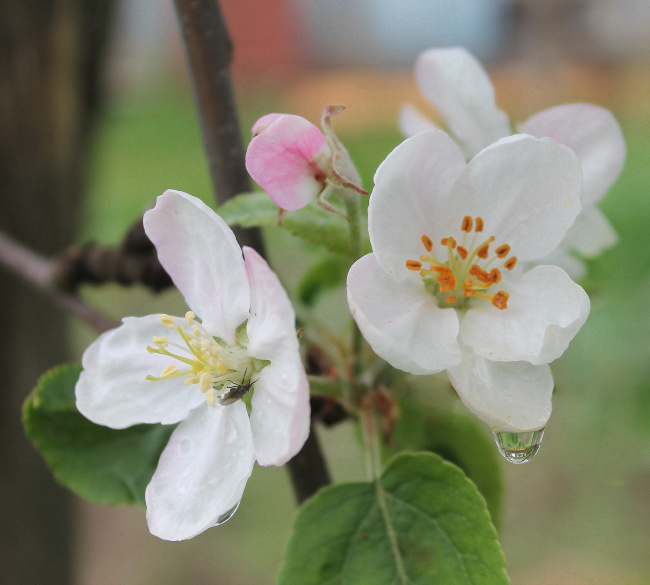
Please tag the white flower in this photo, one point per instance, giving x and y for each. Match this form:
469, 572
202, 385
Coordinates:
443, 288
458, 86
246, 341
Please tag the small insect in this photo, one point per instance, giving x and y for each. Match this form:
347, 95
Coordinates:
236, 391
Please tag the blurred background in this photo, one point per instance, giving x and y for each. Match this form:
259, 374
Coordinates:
579, 514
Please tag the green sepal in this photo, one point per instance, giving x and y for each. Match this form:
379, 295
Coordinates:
421, 522
100, 464
241, 334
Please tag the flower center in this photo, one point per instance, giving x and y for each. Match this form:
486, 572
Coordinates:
467, 271
224, 373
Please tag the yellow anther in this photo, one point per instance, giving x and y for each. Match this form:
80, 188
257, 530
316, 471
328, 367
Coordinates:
189, 317
205, 381
169, 370
196, 331
221, 369
191, 380
168, 321
160, 341
209, 397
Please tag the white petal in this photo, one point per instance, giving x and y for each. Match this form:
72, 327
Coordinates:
280, 416
593, 134
508, 396
401, 321
591, 233
457, 85
201, 254
272, 320
563, 258
411, 186
412, 122
202, 472
545, 311
526, 190
113, 390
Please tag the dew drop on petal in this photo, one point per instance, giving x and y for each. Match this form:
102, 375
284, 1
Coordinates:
230, 433
518, 447
227, 515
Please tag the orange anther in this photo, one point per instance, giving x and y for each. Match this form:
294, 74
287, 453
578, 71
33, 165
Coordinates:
479, 224
467, 224
483, 251
502, 251
500, 300
451, 299
413, 265
428, 244
462, 252
510, 262
495, 275
445, 278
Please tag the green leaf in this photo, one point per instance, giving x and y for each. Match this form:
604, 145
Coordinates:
102, 465
457, 438
329, 273
311, 224
423, 522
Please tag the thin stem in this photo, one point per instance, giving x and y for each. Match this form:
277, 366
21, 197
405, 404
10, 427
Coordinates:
40, 272
308, 470
372, 450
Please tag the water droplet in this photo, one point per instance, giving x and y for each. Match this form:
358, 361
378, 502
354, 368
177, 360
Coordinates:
519, 447
227, 515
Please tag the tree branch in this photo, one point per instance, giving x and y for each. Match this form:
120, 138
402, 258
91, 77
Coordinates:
41, 272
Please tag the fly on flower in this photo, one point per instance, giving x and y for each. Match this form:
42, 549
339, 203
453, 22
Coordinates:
444, 289
166, 369
460, 89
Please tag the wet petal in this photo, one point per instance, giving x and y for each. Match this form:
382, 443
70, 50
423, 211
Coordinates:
457, 85
289, 161
593, 134
509, 396
412, 122
545, 311
411, 186
526, 190
201, 254
202, 472
401, 321
113, 390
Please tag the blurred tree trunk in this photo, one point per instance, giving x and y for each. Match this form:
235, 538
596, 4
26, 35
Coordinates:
50, 56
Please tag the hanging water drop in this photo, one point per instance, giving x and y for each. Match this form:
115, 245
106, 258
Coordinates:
227, 515
518, 447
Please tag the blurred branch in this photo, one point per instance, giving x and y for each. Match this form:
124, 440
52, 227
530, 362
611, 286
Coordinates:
209, 54
40, 272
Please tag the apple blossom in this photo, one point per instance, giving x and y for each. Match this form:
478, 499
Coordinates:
296, 162
245, 343
460, 89
443, 288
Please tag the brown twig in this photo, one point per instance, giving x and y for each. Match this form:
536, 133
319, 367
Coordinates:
40, 272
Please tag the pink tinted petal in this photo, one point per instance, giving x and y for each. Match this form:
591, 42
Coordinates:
593, 134
280, 415
508, 396
289, 161
202, 472
113, 390
411, 187
401, 321
526, 190
457, 85
264, 122
412, 122
201, 254
545, 311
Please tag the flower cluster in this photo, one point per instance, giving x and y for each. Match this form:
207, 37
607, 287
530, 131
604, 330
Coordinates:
459, 88
244, 343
